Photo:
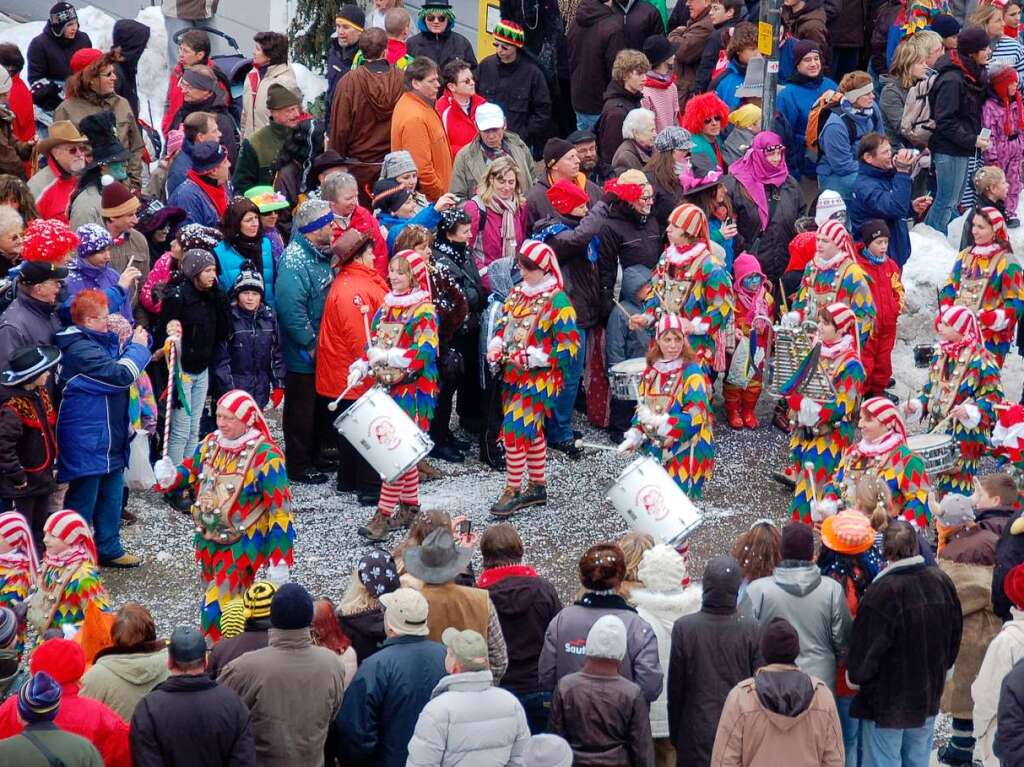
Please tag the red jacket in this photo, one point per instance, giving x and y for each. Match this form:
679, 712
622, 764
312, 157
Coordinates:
886, 288
363, 221
20, 103
396, 50
459, 126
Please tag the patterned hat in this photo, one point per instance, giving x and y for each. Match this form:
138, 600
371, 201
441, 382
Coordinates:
848, 532
418, 264
8, 627
378, 573
192, 236
248, 279
963, 321
882, 409
692, 221
543, 257
15, 532
61, 14
256, 599
669, 322
837, 233
47, 239
92, 238
243, 407
70, 528
39, 699
510, 33
996, 218
232, 619
843, 317
673, 137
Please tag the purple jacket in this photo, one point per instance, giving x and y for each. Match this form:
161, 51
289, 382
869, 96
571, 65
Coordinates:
85, 276
1005, 150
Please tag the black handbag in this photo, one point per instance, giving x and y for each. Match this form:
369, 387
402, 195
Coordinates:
451, 365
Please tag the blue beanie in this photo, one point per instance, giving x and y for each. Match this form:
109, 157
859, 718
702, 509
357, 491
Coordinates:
291, 607
39, 698
207, 156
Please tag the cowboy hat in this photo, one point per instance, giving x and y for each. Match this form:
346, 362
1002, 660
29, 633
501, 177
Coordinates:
61, 132
438, 559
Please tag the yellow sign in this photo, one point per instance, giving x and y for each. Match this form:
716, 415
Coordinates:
490, 15
764, 38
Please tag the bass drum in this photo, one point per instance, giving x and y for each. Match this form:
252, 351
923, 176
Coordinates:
383, 434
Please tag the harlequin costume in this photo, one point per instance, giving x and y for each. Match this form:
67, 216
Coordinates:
887, 293
403, 357
534, 342
962, 373
890, 459
243, 508
1008, 438
823, 430
19, 567
988, 282
752, 328
673, 417
836, 280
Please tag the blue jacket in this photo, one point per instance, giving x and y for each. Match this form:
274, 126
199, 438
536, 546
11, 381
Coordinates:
180, 166
427, 217
94, 376
303, 279
230, 262
839, 156
730, 80
883, 194
197, 206
250, 357
379, 711
85, 276
795, 102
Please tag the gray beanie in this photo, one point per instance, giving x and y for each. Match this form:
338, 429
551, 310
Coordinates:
194, 261
955, 509
397, 163
547, 751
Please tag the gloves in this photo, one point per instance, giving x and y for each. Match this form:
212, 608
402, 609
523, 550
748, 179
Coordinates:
820, 510
791, 320
276, 397
278, 574
536, 358
356, 372
69, 629
699, 326
165, 472
645, 415
994, 319
793, 401
633, 440
973, 416
376, 355
398, 358
494, 348
807, 410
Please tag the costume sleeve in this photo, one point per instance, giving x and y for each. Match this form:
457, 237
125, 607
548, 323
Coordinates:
423, 351
855, 292
849, 386
1013, 291
717, 291
188, 471
268, 471
947, 294
803, 292
561, 339
913, 487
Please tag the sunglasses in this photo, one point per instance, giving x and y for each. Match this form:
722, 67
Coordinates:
72, 149
712, 119
773, 148
435, 17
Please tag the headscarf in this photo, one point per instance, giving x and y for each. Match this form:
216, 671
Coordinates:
753, 171
15, 532
964, 322
70, 528
754, 302
243, 407
543, 257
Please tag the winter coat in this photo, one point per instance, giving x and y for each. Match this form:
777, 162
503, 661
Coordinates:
203, 318
153, 289
460, 264
13, 153
230, 262
196, 203
629, 156
383, 702
459, 126
575, 244
192, 720
416, 127
303, 276
52, 190
770, 245
794, 103
360, 125
28, 443
1003, 653
838, 152
886, 293
362, 220
471, 164
249, 357
86, 204
815, 606
339, 64
469, 722
603, 718
93, 429
689, 42
366, 630
780, 710
1006, 150
68, 748
26, 322
131, 37
1009, 554
884, 194
521, 91
293, 690
449, 303
566, 638
218, 105
727, 83
995, 519
258, 156
128, 133
175, 98
526, 604
192, 10
627, 238
427, 217
956, 109
661, 611
49, 61
121, 677
891, 102
485, 244
1009, 740
441, 48
809, 23
85, 276
255, 114
905, 638
617, 103
227, 649
595, 37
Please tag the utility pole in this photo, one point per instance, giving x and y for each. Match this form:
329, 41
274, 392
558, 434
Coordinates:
769, 31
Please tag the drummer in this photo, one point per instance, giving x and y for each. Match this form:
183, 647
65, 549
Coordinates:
690, 283
987, 280
823, 430
402, 357
882, 452
960, 395
673, 415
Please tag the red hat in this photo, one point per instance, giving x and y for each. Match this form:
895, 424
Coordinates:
48, 239
418, 264
243, 407
83, 57
843, 317
801, 251
1013, 586
118, 200
62, 659
543, 257
566, 196
882, 409
71, 528
669, 322
963, 321
839, 235
995, 217
15, 532
692, 221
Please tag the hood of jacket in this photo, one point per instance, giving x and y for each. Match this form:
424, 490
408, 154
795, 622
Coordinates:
721, 584
590, 12
467, 681
945, 65
380, 91
92, 271
784, 692
518, 587
76, 335
797, 578
137, 668
131, 37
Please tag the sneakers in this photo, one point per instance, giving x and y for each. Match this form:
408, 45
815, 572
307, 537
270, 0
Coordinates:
122, 562
179, 500
377, 528
404, 517
507, 503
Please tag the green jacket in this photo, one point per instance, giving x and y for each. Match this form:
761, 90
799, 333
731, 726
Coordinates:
303, 278
73, 750
256, 158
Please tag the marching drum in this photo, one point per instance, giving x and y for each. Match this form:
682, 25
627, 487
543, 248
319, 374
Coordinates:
624, 378
385, 436
938, 451
651, 502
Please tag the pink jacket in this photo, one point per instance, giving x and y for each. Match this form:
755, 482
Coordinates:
487, 248
661, 96
152, 289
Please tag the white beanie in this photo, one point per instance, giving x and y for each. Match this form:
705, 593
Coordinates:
547, 751
662, 570
607, 638
829, 204
5, 80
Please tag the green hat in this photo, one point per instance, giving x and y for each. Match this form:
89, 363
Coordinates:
266, 199
510, 33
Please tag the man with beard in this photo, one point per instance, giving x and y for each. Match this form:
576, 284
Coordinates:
53, 186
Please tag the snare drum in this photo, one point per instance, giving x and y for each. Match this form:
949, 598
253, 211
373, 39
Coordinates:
624, 378
383, 434
938, 451
651, 502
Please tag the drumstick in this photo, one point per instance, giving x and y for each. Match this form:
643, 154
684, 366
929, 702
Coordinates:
332, 406
593, 445
809, 468
623, 308
364, 310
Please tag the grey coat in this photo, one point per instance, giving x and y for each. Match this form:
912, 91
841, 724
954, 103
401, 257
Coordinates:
470, 164
891, 101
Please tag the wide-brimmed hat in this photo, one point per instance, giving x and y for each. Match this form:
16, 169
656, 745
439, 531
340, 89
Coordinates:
61, 132
438, 559
326, 161
28, 363
703, 174
266, 199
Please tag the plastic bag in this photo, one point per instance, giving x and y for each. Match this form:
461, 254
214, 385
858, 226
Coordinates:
139, 474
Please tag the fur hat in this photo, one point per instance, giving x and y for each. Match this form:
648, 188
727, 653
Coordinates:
972, 40
662, 569
48, 239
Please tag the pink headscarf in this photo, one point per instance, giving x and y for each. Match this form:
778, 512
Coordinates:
753, 171
754, 302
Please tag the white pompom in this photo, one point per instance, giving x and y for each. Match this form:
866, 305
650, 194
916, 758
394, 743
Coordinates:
107, 179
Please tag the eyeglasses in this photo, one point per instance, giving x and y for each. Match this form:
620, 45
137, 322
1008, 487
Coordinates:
435, 17
646, 197
712, 119
72, 149
773, 149
108, 75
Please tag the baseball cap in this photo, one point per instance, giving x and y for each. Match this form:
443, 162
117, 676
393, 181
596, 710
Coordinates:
489, 116
187, 645
468, 647
405, 611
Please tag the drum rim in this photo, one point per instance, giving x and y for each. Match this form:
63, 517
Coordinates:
918, 441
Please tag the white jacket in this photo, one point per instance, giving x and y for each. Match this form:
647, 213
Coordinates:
469, 722
1001, 656
661, 611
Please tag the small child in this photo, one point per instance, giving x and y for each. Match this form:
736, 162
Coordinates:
887, 292
397, 24
1003, 114
660, 94
753, 324
622, 344
396, 207
995, 500
250, 357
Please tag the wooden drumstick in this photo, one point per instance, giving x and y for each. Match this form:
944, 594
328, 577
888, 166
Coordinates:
594, 446
809, 468
364, 310
623, 308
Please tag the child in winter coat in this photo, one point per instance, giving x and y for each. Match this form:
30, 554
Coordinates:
660, 94
622, 344
887, 292
1003, 114
250, 357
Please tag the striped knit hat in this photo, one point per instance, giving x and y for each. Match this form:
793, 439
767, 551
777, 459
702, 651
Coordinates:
15, 532
418, 264
543, 257
996, 219
8, 627
963, 321
669, 322
243, 407
510, 33
839, 235
232, 619
882, 409
39, 699
843, 318
692, 221
70, 528
257, 598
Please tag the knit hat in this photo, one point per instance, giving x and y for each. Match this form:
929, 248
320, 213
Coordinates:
61, 14
882, 409
488, 117
118, 200
248, 279
291, 608
543, 257
352, 15
971, 40
607, 638
1013, 586
397, 163
92, 238
848, 532
669, 323
658, 50
389, 195
468, 647
945, 25
312, 215
8, 627
154, 215
830, 204
798, 542
198, 236
351, 243
405, 612
72, 530
83, 57
566, 196
510, 33
6, 83
779, 641
62, 659
257, 599
547, 750
175, 140
232, 619
843, 317
692, 220
418, 263
673, 137
187, 645
802, 47
48, 239
874, 228
39, 699
955, 510
280, 97
38, 272
194, 261
662, 569
207, 156
266, 199
555, 149
199, 80
378, 573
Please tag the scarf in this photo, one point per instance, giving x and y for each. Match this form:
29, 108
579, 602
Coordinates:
70, 557
824, 264
659, 82
752, 301
889, 442
217, 195
868, 255
952, 349
987, 251
753, 172
799, 78
250, 248
832, 350
971, 72
493, 154
507, 210
409, 298
19, 560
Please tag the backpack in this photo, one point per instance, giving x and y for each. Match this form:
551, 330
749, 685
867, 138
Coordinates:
917, 124
827, 104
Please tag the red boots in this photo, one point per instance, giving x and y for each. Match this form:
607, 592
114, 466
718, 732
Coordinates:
733, 395
749, 398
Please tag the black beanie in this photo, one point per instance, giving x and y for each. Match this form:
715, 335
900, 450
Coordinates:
779, 642
291, 607
971, 40
555, 149
798, 542
873, 229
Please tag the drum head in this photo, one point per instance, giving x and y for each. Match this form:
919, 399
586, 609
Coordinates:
632, 366
925, 441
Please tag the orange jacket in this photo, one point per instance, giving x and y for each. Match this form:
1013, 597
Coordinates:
342, 335
417, 128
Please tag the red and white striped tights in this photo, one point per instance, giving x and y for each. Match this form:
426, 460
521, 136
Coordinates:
406, 489
531, 459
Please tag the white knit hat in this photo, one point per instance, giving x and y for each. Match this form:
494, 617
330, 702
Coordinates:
607, 638
547, 750
829, 204
662, 570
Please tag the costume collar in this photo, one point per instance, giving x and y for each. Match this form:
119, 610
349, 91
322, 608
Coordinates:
411, 298
889, 442
237, 444
669, 366
831, 351
543, 286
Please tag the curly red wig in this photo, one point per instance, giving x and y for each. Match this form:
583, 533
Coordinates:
700, 108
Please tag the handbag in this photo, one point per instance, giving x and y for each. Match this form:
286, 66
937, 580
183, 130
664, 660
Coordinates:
452, 365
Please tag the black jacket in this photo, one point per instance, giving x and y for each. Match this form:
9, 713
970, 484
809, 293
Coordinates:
521, 91
226, 650
617, 103
1009, 743
572, 248
339, 62
595, 37
49, 65
131, 36
1009, 554
771, 246
639, 20
191, 720
905, 638
366, 630
711, 652
442, 48
203, 317
712, 48
217, 105
626, 239
28, 445
956, 109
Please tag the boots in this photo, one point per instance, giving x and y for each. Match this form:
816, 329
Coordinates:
404, 517
377, 528
427, 472
732, 406
781, 418
749, 397
507, 503
536, 494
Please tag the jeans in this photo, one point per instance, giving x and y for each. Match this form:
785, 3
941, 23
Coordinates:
559, 423
586, 121
185, 427
537, 706
98, 500
950, 176
851, 731
884, 747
